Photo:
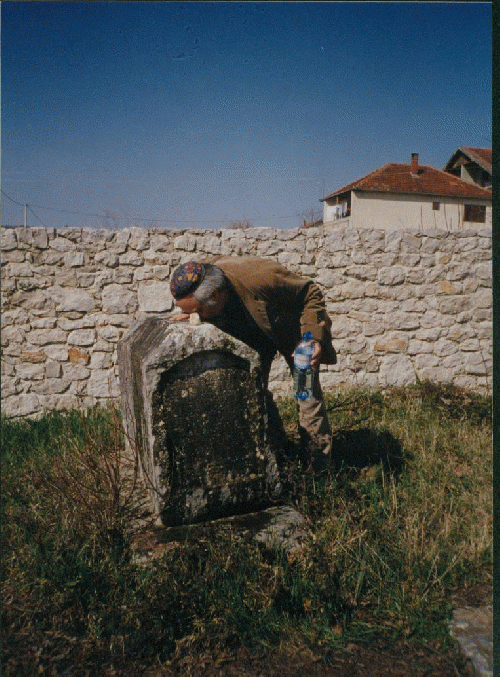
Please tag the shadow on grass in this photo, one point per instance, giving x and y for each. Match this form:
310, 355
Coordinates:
354, 450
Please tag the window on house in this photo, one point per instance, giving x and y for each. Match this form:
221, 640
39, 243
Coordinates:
436, 206
475, 213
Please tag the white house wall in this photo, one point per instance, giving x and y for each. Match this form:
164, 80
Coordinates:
392, 212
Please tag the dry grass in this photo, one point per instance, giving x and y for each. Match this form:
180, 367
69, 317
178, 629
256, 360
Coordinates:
401, 527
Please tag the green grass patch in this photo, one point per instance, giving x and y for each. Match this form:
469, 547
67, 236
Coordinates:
402, 526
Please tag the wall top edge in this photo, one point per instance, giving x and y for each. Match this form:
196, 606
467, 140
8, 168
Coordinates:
291, 232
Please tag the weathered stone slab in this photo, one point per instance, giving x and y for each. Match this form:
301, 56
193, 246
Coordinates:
194, 406
473, 630
280, 527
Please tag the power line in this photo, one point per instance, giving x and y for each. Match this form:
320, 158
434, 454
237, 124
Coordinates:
66, 211
37, 217
125, 218
26, 207
9, 198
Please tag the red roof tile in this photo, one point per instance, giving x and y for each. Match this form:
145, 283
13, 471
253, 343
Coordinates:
397, 178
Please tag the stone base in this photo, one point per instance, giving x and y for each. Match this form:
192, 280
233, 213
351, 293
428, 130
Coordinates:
281, 527
472, 628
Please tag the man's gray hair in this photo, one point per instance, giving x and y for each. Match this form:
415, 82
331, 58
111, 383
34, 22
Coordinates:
214, 280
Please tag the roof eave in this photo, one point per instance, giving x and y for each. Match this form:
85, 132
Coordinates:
430, 193
478, 160
486, 196
452, 159
339, 192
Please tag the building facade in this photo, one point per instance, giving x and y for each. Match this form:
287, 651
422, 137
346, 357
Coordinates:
409, 197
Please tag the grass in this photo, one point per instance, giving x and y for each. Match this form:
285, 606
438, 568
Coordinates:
401, 528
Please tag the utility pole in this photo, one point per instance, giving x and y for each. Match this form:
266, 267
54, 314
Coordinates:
25, 216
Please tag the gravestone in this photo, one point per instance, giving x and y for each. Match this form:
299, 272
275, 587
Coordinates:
195, 409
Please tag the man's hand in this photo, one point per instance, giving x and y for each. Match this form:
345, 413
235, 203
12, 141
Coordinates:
316, 356
180, 317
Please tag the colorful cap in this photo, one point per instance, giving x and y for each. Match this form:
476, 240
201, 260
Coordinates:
186, 278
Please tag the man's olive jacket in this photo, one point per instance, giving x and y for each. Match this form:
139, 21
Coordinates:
284, 305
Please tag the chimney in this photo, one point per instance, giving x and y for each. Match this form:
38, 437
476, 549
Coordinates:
414, 164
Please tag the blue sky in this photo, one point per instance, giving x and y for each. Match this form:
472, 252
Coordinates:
193, 115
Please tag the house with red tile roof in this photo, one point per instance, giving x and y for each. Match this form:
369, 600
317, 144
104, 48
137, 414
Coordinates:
410, 197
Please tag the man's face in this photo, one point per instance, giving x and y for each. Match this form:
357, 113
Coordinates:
190, 304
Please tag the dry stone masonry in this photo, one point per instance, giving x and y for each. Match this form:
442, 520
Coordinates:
404, 305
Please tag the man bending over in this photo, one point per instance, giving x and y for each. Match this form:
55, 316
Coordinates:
269, 308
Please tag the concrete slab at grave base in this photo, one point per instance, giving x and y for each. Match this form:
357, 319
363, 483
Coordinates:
194, 406
281, 527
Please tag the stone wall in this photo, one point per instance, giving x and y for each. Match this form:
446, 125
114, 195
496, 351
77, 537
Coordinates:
404, 305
